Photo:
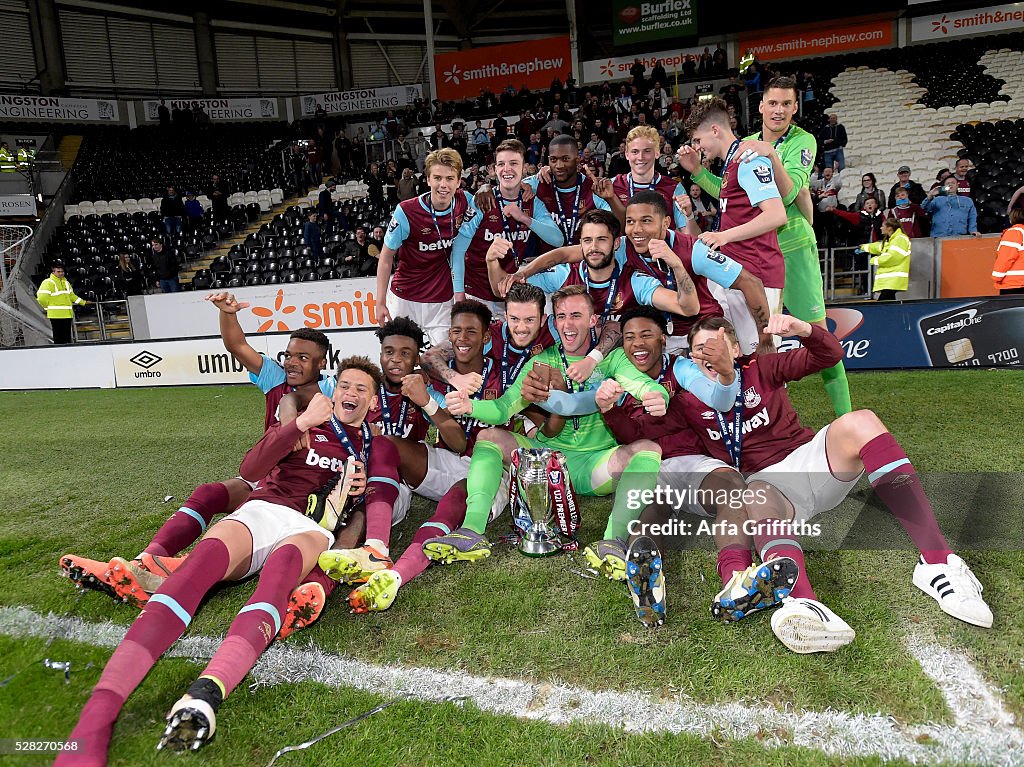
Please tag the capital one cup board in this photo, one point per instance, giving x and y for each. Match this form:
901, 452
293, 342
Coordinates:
985, 333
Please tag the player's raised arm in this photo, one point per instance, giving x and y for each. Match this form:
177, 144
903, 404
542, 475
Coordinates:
415, 388
232, 334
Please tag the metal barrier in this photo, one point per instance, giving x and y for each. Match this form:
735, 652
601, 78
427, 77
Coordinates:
847, 275
111, 321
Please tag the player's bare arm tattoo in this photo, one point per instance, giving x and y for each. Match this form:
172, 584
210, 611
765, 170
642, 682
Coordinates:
434, 362
611, 337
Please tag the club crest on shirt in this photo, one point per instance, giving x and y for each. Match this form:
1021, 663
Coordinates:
751, 398
806, 157
763, 174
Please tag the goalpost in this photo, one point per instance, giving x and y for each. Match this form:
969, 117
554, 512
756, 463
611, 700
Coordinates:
22, 322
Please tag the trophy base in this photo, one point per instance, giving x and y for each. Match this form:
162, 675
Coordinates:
538, 547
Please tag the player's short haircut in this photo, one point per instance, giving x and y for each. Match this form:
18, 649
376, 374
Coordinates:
401, 326
713, 110
308, 334
605, 218
712, 324
563, 140
363, 364
640, 312
1016, 216
511, 145
469, 306
893, 223
568, 292
525, 293
783, 82
643, 131
649, 197
447, 157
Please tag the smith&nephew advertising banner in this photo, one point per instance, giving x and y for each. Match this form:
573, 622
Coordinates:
534, 63
639, 22
818, 39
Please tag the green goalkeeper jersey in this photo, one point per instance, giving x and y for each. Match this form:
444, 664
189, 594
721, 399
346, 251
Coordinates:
581, 433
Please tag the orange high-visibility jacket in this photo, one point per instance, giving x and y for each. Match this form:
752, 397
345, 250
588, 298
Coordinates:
1008, 270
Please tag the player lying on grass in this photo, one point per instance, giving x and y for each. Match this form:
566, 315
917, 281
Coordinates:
440, 472
705, 486
596, 463
300, 376
801, 474
269, 534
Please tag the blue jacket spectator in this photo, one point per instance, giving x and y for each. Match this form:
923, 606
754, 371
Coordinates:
952, 214
311, 236
193, 208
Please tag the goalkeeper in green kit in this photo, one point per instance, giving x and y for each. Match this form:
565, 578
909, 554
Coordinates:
791, 150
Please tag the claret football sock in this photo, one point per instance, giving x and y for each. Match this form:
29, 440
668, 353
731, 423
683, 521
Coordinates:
898, 485
381, 493
451, 510
733, 559
190, 521
774, 538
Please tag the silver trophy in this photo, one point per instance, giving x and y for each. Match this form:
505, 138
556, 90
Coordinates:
534, 511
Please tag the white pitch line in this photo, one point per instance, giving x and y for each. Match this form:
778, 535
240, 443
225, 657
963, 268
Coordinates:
983, 733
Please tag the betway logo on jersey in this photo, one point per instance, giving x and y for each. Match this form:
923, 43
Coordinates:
756, 421
458, 76
441, 244
957, 321
313, 458
519, 236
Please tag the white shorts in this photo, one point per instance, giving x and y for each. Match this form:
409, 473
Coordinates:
445, 468
497, 307
734, 305
685, 474
433, 318
253, 486
271, 523
806, 479
401, 507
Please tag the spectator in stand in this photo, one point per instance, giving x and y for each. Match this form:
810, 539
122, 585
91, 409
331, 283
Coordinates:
637, 73
404, 153
316, 168
891, 256
343, 150
667, 160
660, 97
165, 266
807, 88
533, 149
689, 67
324, 203
500, 127
753, 82
618, 163
374, 185
624, 101
311, 236
58, 300
598, 149
868, 220
658, 74
940, 178
378, 133
173, 211
128, 277
952, 213
556, 124
218, 194
193, 210
719, 61
163, 114
703, 207
1008, 270
704, 65
438, 139
825, 189
869, 188
419, 151
912, 217
832, 141
458, 143
481, 141
406, 185
963, 181
914, 189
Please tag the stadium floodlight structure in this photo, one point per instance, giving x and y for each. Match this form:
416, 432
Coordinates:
22, 322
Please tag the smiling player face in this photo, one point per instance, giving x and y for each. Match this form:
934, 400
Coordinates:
699, 339
524, 322
574, 318
598, 246
354, 396
443, 182
564, 162
508, 167
303, 360
777, 107
643, 224
643, 342
467, 336
641, 154
398, 358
